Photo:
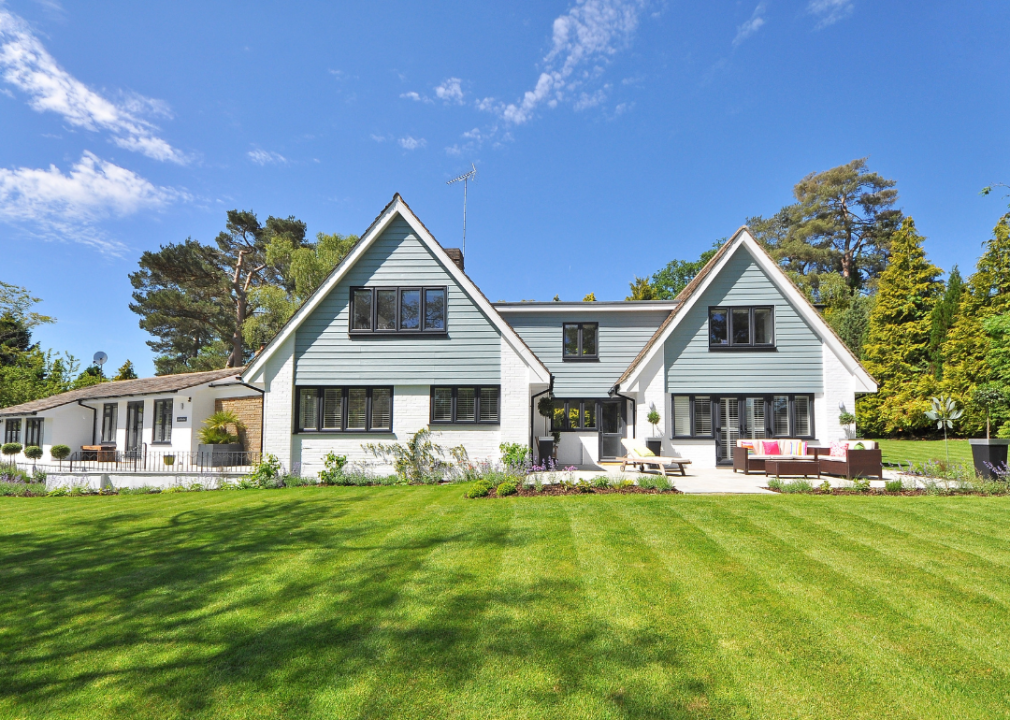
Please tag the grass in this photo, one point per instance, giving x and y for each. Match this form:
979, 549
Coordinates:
416, 603
919, 451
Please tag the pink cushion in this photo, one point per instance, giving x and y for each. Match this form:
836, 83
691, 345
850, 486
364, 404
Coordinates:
770, 447
839, 450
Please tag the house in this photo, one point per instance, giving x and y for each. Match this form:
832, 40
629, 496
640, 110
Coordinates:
137, 418
398, 338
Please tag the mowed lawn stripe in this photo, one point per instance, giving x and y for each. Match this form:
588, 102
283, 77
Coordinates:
891, 613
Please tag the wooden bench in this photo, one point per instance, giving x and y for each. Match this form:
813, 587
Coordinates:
99, 453
662, 464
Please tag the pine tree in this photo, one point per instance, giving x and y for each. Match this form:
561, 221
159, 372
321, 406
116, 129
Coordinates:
966, 351
897, 349
942, 318
126, 372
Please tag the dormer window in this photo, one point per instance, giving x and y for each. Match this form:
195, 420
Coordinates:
580, 341
385, 310
732, 328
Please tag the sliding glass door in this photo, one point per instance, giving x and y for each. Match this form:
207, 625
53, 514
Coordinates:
729, 428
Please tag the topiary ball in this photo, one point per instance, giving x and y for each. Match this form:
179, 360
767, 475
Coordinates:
506, 488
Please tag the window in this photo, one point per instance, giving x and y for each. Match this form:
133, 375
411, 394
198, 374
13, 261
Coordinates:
344, 409
465, 405
752, 416
162, 422
580, 341
33, 432
575, 414
398, 310
12, 431
110, 418
741, 327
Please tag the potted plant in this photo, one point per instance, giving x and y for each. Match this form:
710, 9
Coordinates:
60, 453
655, 443
847, 420
988, 453
547, 444
218, 446
169, 460
944, 413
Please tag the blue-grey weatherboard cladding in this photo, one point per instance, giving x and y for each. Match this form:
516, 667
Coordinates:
622, 335
794, 366
326, 355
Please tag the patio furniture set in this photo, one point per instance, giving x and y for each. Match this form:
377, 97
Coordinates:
848, 458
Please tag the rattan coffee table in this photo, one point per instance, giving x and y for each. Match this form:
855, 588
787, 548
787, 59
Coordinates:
792, 466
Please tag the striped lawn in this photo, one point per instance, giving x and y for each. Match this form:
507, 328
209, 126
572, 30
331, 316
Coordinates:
920, 451
417, 603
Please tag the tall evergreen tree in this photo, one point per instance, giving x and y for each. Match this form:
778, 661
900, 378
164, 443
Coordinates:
942, 318
897, 349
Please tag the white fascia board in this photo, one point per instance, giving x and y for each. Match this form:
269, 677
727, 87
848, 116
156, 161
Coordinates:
396, 208
535, 309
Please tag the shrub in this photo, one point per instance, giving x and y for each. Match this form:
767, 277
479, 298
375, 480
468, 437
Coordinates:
59, 452
623, 484
825, 486
775, 483
601, 481
893, 486
267, 472
506, 488
299, 481
514, 455
481, 488
861, 484
654, 482
10, 448
583, 486
797, 486
216, 430
333, 471
419, 460
33, 452
58, 492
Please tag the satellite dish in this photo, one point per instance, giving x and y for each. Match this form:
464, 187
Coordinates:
100, 358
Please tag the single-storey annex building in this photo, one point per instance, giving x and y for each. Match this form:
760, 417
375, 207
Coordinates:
398, 338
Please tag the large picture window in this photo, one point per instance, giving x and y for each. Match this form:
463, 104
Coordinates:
741, 328
759, 416
575, 414
12, 431
383, 310
344, 409
465, 405
162, 422
580, 341
110, 419
33, 432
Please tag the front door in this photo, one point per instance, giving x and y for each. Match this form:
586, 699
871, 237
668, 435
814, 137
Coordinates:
134, 427
611, 429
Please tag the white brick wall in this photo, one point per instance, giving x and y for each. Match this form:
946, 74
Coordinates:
839, 390
515, 396
278, 403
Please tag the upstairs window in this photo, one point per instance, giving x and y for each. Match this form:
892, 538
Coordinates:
580, 341
741, 328
465, 405
398, 310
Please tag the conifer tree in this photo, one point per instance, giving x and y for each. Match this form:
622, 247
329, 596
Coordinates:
897, 349
968, 345
942, 318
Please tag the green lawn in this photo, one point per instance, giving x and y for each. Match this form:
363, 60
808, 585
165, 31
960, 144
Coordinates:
905, 451
416, 603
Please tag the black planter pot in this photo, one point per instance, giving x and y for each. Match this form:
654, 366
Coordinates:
546, 448
655, 445
989, 452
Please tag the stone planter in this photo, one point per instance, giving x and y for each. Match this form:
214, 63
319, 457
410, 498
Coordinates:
989, 451
221, 455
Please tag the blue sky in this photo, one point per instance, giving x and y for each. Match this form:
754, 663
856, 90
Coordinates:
610, 136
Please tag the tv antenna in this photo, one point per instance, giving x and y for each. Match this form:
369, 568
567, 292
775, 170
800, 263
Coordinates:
465, 177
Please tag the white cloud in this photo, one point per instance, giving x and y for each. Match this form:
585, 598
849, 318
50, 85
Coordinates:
411, 143
378, 138
450, 91
67, 206
750, 27
588, 100
26, 65
266, 157
830, 11
415, 97
587, 35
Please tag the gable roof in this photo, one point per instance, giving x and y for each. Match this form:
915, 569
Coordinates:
688, 297
397, 208
123, 388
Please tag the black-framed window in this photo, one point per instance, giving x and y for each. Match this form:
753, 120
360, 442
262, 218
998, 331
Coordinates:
343, 409
465, 404
392, 310
580, 341
12, 430
110, 421
758, 416
162, 422
575, 414
732, 328
33, 432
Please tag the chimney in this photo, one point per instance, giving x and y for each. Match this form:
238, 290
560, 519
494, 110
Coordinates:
456, 255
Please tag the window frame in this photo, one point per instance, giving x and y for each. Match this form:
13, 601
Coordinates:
115, 424
715, 398
160, 404
476, 405
731, 346
581, 403
12, 430
38, 423
582, 356
344, 392
421, 330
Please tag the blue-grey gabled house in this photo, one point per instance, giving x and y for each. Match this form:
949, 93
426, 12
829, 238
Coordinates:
398, 338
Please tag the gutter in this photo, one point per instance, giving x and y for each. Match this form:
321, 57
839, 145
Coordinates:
239, 382
94, 418
634, 408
